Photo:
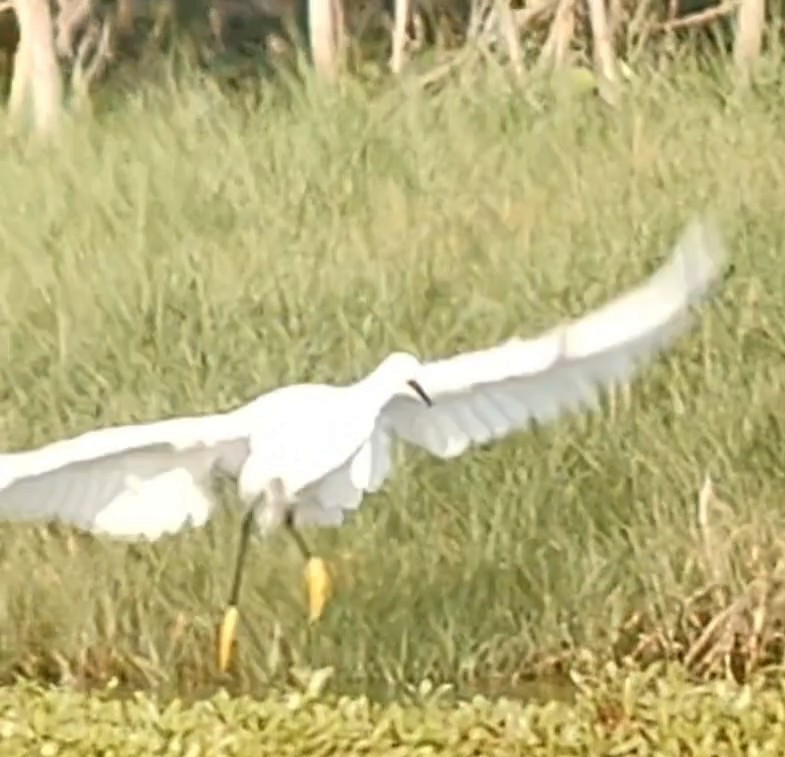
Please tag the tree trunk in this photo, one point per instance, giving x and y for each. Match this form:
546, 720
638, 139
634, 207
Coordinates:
556, 49
36, 71
401, 18
510, 34
749, 36
604, 57
326, 32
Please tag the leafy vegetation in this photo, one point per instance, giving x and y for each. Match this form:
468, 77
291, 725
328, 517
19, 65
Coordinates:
187, 251
657, 712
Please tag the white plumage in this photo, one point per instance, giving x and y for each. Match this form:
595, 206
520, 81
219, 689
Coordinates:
316, 449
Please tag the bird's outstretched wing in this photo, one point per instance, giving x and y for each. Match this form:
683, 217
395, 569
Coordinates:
129, 482
485, 395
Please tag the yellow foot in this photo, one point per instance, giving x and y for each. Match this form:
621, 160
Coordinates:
317, 580
226, 636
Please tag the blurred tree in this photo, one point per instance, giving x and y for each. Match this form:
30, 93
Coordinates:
88, 38
9, 39
326, 36
36, 77
749, 36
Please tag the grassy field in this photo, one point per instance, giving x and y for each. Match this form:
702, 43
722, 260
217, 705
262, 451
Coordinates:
186, 254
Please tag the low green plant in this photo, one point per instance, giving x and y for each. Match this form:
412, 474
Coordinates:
651, 712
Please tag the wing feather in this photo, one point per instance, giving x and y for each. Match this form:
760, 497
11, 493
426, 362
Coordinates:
487, 394
326, 501
129, 482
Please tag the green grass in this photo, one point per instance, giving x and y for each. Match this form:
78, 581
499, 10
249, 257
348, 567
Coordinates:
185, 254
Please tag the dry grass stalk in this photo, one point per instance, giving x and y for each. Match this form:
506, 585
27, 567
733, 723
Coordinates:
125, 17
699, 18
534, 12
477, 28
86, 39
93, 55
733, 626
706, 498
616, 14
72, 17
735, 634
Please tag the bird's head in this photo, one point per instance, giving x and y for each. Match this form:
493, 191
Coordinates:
400, 371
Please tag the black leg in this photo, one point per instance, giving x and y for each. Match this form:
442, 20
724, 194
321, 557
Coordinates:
245, 535
297, 536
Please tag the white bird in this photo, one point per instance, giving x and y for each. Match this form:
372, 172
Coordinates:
306, 454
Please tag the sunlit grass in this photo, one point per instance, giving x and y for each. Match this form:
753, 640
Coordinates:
185, 255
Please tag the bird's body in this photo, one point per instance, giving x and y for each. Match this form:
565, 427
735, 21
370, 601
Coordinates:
306, 454
342, 420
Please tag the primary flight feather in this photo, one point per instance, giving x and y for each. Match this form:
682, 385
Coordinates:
305, 454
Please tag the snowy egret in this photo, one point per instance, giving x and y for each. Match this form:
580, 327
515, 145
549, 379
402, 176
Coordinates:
306, 454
